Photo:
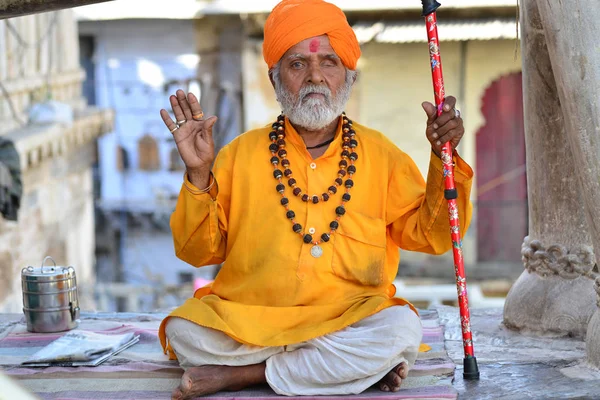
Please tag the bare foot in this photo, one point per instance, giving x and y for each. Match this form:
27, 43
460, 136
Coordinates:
392, 381
198, 381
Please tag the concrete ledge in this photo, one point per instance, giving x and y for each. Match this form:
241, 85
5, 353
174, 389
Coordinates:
189, 9
37, 143
16, 8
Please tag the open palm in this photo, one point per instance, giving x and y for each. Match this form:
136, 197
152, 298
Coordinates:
194, 137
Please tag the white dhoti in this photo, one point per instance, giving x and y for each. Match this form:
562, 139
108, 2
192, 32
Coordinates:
345, 362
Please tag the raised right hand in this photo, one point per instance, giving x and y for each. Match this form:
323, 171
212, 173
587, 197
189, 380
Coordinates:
194, 137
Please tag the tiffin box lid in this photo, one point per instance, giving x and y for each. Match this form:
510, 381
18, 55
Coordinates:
46, 273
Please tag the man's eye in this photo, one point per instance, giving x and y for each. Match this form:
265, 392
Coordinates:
297, 64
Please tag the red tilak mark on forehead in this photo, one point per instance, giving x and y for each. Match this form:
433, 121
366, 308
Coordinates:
314, 45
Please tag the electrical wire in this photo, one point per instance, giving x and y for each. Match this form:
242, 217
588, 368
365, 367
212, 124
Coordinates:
11, 105
24, 45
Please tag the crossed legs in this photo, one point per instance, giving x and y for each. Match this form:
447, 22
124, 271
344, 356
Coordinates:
379, 349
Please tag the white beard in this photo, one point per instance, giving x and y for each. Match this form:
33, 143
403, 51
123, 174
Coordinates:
313, 113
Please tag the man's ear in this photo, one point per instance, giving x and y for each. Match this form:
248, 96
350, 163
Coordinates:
271, 78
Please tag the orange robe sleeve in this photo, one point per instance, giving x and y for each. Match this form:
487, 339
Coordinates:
417, 212
199, 222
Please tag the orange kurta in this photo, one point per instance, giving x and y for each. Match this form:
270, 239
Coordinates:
270, 290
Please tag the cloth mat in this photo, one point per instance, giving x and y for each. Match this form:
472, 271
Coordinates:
143, 372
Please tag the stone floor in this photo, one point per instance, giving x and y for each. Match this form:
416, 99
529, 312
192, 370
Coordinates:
514, 366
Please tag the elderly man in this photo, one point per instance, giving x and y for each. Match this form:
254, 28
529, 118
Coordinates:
306, 215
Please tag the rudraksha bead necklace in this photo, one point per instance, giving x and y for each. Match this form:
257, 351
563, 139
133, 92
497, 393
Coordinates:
347, 169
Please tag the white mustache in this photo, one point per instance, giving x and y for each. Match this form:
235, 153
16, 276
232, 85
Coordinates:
310, 89
313, 113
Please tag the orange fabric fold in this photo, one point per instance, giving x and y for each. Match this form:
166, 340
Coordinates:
293, 21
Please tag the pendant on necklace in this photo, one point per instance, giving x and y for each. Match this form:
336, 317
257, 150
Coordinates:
316, 251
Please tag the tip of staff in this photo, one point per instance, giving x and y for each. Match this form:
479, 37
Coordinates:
471, 370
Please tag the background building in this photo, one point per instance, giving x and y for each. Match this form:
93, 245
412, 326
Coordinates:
46, 119
214, 50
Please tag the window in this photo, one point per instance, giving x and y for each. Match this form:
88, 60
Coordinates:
122, 159
148, 154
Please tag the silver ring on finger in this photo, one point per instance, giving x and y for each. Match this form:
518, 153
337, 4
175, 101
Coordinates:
183, 121
174, 129
456, 113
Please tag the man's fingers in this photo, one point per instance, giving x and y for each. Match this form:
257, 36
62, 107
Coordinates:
431, 134
446, 117
454, 136
445, 127
208, 129
437, 134
194, 104
449, 103
164, 114
185, 106
430, 111
448, 136
179, 115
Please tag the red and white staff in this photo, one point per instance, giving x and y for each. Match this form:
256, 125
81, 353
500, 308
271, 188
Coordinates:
471, 371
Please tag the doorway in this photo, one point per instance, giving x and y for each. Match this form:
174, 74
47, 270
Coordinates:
502, 214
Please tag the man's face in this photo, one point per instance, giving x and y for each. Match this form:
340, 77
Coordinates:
312, 61
312, 84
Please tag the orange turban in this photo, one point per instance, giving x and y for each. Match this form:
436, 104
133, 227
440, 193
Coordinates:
293, 21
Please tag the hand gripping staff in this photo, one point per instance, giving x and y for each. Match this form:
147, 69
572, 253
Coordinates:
471, 371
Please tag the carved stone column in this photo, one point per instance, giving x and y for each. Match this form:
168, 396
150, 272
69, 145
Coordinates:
572, 29
550, 296
592, 341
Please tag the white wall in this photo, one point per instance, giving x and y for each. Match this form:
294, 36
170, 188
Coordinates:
395, 80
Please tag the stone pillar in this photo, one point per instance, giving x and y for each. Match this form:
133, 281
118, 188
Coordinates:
229, 100
572, 30
551, 296
592, 340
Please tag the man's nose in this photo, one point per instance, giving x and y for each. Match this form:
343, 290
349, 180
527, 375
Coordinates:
315, 75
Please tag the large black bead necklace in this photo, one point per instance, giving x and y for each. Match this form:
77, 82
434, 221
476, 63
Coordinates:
347, 170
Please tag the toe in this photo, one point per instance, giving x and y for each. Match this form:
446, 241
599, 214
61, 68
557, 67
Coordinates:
383, 387
185, 386
177, 395
186, 382
402, 370
391, 380
394, 381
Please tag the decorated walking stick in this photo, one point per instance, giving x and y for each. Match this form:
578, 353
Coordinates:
471, 371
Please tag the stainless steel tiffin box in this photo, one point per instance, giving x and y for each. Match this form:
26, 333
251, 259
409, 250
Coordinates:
50, 302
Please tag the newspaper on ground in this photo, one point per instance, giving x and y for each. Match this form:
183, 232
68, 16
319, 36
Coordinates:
81, 348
